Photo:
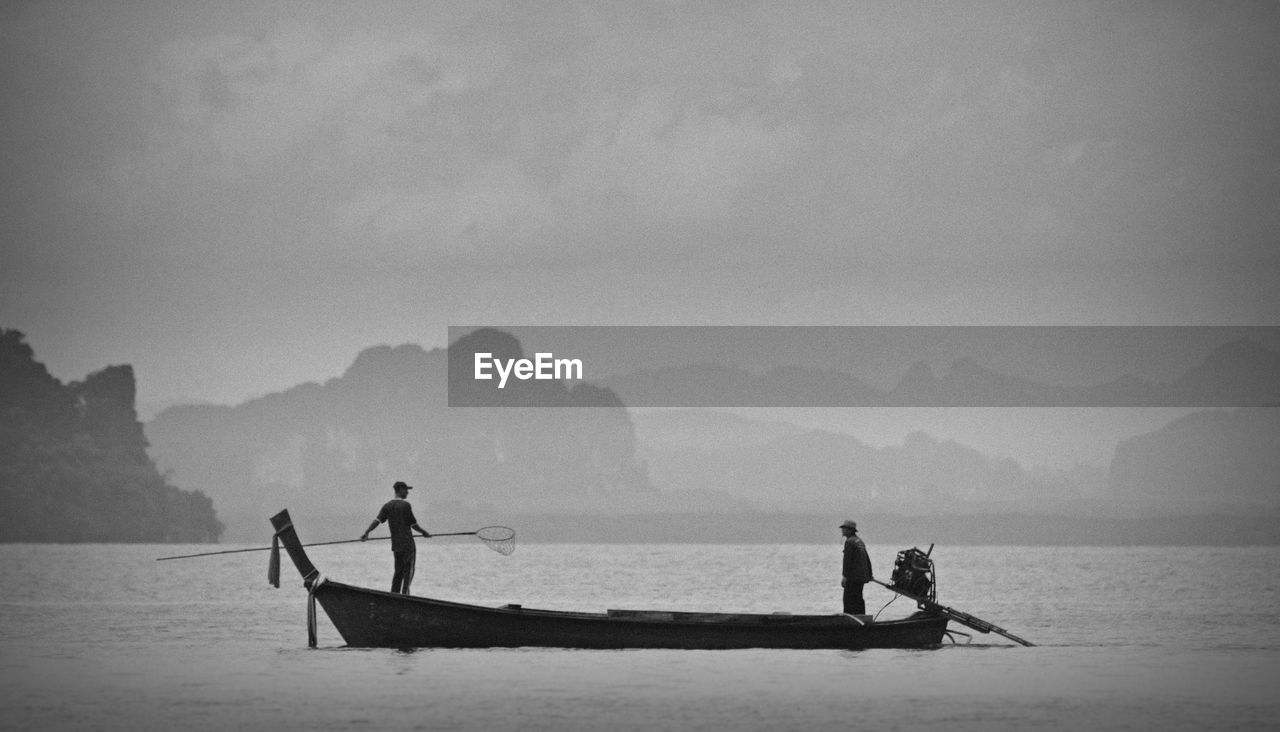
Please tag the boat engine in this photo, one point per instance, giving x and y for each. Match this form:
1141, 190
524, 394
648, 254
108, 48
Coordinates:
913, 573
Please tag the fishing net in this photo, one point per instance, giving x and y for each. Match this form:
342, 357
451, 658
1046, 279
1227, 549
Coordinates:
498, 538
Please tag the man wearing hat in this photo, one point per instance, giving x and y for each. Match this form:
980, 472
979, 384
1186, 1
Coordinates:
857, 569
399, 517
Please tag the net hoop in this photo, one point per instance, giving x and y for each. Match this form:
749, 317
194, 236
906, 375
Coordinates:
501, 539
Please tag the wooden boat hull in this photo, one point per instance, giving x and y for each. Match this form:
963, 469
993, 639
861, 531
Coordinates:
373, 618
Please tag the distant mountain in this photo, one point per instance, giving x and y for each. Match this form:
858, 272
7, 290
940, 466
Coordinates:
695, 385
703, 429
780, 467
1241, 373
74, 465
969, 384
1225, 459
335, 448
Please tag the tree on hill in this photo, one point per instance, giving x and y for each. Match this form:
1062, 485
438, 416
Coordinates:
74, 464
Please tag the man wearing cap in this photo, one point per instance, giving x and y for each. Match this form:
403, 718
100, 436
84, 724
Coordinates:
399, 517
857, 569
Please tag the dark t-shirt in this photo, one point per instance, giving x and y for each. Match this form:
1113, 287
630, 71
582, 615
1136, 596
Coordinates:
398, 515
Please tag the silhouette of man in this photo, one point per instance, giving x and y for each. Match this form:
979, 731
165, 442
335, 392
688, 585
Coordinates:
857, 569
398, 515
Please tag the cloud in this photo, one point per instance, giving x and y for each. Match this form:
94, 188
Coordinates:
290, 177
523, 138
481, 132
234, 105
495, 207
673, 161
413, 142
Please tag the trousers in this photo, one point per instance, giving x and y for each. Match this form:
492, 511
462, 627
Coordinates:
853, 602
403, 574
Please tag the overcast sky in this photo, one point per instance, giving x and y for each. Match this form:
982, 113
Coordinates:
236, 198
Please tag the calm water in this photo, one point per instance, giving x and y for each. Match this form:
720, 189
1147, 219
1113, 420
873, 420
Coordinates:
105, 638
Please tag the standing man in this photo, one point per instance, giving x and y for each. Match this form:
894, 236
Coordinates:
399, 517
857, 569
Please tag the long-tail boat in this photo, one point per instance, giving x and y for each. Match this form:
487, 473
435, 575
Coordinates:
373, 618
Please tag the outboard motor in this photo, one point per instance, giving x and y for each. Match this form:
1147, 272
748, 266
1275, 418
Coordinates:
913, 576
913, 573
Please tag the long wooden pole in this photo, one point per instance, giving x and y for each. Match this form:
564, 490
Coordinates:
266, 548
319, 543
